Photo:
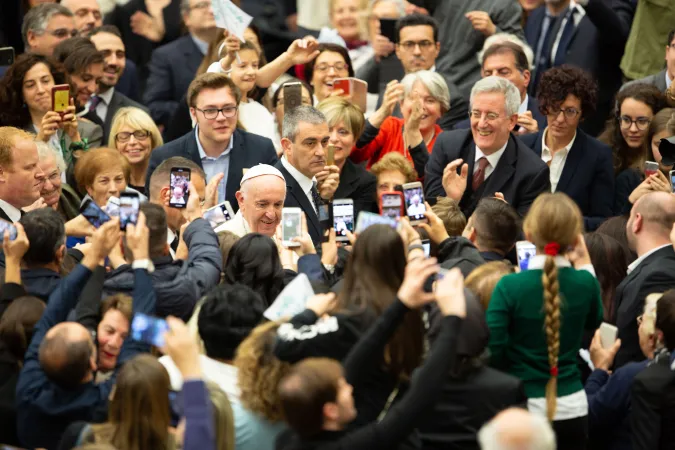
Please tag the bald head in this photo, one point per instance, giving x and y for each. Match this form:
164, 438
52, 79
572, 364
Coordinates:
87, 14
261, 200
517, 429
657, 210
67, 355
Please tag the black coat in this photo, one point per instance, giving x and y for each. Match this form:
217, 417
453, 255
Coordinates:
296, 198
520, 174
117, 101
359, 185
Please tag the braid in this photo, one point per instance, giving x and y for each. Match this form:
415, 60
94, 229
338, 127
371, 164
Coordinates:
551, 286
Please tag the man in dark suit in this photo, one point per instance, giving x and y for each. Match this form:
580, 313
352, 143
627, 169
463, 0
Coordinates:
664, 78
592, 36
648, 231
216, 145
489, 155
508, 60
305, 137
581, 166
21, 178
174, 65
109, 100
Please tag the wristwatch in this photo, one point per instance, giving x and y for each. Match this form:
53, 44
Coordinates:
143, 264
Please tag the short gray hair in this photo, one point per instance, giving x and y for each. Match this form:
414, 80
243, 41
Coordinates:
490, 436
502, 86
38, 17
299, 114
184, 6
433, 81
399, 4
507, 37
46, 151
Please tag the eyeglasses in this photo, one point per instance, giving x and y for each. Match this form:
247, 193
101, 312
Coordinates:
569, 113
139, 135
63, 33
410, 45
338, 67
642, 123
489, 116
212, 113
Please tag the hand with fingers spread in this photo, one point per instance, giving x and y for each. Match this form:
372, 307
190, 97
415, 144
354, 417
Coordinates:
435, 227
603, 358
393, 94
302, 51
211, 192
321, 303
454, 183
450, 294
181, 346
138, 238
411, 292
481, 21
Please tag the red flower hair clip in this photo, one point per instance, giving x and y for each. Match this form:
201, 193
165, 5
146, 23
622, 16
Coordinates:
552, 249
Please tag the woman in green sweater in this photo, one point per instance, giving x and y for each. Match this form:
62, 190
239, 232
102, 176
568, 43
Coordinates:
537, 318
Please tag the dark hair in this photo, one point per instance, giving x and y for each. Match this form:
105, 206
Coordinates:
616, 227
64, 361
17, 325
254, 262
665, 318
155, 219
76, 54
226, 318
211, 81
610, 259
671, 36
508, 47
46, 233
559, 82
111, 29
415, 20
13, 109
37, 19
497, 225
625, 156
373, 275
309, 67
277, 93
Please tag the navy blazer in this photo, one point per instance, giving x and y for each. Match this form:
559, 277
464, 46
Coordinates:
520, 175
532, 106
359, 185
172, 68
587, 176
248, 150
117, 101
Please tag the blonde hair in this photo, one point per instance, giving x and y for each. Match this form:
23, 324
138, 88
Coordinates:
338, 109
223, 417
138, 119
8, 139
394, 161
553, 218
483, 279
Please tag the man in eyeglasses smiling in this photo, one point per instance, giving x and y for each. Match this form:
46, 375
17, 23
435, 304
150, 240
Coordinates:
45, 26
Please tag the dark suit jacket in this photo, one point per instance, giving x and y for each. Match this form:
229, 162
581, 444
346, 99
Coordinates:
520, 175
658, 80
172, 68
597, 46
117, 101
128, 83
296, 198
587, 177
532, 106
249, 150
655, 274
359, 185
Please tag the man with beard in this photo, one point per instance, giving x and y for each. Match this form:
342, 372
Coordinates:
108, 101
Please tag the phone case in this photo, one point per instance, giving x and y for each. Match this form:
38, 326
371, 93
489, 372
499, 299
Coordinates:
60, 98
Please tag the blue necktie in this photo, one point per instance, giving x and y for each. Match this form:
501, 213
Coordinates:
543, 60
565, 39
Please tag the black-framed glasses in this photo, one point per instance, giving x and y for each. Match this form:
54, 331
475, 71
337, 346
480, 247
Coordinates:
63, 33
569, 113
410, 45
212, 113
642, 123
338, 67
139, 135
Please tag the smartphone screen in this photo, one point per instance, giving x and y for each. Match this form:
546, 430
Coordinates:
525, 251
4, 225
95, 215
148, 329
292, 224
292, 96
179, 183
129, 206
414, 203
392, 206
343, 220
672, 179
112, 208
218, 215
367, 219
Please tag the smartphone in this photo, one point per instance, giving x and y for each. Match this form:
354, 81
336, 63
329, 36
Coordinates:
608, 335
180, 187
667, 150
292, 96
130, 204
148, 329
388, 29
525, 250
672, 179
354, 88
414, 202
426, 243
330, 155
219, 214
651, 168
5, 225
343, 218
291, 226
6, 56
391, 204
112, 208
60, 98
367, 219
93, 213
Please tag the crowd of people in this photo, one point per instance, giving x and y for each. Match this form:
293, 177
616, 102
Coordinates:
173, 275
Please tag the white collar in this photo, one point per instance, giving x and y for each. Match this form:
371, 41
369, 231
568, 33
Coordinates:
547, 151
632, 266
305, 183
537, 262
493, 159
107, 96
12, 212
523, 106
668, 81
170, 236
202, 153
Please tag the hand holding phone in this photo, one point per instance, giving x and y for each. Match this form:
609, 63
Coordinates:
525, 250
130, 204
148, 329
391, 205
291, 226
414, 202
94, 214
60, 98
608, 335
651, 168
343, 218
219, 214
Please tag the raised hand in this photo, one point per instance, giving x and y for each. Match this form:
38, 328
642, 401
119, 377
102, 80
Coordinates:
450, 294
435, 228
69, 123
527, 123
14, 250
411, 292
603, 358
302, 51
480, 20
211, 192
321, 303
51, 122
454, 183
330, 179
138, 238
182, 347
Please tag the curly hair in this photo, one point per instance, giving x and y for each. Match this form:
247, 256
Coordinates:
13, 110
624, 156
559, 82
260, 372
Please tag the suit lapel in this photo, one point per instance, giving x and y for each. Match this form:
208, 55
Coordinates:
236, 167
191, 150
574, 158
294, 189
505, 169
348, 181
660, 81
112, 110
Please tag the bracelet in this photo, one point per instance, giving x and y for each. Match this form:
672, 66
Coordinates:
415, 247
81, 145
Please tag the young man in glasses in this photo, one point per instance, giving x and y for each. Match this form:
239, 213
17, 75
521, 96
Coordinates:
45, 26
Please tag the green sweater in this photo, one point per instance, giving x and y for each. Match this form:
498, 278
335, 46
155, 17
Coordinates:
515, 317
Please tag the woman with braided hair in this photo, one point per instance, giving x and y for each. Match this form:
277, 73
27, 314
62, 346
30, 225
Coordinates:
537, 318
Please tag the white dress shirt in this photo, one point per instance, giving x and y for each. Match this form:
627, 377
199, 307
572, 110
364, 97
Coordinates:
170, 236
668, 81
632, 266
102, 107
578, 15
557, 159
12, 212
523, 106
224, 375
305, 183
492, 159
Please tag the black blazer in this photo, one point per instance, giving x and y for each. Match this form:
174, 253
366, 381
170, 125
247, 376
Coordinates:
520, 175
248, 151
117, 101
587, 177
172, 69
656, 274
532, 106
359, 185
296, 198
